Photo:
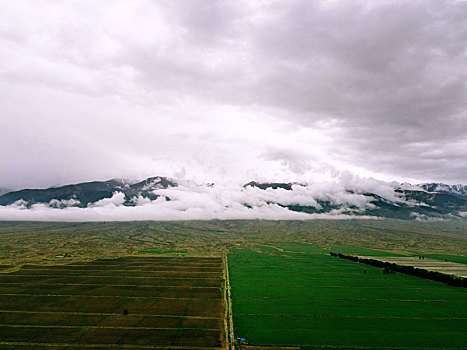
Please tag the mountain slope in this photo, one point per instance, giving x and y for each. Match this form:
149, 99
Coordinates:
426, 201
83, 194
370, 198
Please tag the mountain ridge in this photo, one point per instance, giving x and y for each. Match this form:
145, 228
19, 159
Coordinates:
82, 194
428, 201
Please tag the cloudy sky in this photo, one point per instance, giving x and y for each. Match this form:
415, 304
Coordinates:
231, 91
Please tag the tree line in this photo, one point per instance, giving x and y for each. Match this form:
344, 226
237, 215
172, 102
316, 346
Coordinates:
452, 280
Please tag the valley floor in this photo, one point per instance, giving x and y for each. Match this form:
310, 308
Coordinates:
162, 284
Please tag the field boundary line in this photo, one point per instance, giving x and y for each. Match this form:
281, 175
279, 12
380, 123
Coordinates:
102, 296
320, 278
357, 299
109, 314
105, 327
110, 285
323, 287
143, 262
358, 317
344, 347
135, 264
79, 267
228, 298
115, 276
70, 271
111, 346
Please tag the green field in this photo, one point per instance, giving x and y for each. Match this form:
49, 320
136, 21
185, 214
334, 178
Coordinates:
363, 251
299, 296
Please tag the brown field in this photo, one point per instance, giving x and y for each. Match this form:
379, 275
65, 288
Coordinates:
117, 290
38, 346
134, 303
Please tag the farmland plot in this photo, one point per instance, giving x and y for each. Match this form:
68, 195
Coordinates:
134, 303
446, 267
291, 296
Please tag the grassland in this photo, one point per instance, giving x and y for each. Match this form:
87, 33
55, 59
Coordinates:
162, 251
300, 296
347, 250
39, 242
131, 302
363, 251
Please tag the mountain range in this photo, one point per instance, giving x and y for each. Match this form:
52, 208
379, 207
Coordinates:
429, 201
83, 194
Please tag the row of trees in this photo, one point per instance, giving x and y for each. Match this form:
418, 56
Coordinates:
409, 270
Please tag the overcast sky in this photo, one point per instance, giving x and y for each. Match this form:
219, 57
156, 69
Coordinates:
232, 91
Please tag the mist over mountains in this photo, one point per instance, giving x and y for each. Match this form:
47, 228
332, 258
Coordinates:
161, 198
85, 194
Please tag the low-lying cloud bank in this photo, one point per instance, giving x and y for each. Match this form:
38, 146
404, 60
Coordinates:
349, 198
191, 202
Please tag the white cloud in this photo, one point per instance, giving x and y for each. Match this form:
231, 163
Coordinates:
160, 211
190, 201
55, 203
116, 200
423, 217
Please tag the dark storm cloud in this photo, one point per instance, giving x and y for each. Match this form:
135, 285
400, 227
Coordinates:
279, 89
392, 73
